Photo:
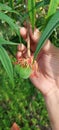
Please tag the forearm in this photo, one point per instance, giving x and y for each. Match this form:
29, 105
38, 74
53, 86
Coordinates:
52, 103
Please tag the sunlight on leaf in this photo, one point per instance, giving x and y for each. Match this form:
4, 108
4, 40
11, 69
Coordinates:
52, 7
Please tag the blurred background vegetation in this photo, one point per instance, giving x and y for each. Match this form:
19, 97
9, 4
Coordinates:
21, 103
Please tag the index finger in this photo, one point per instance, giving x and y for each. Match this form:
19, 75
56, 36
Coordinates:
34, 36
23, 32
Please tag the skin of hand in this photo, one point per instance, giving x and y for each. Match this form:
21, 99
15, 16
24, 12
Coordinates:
47, 80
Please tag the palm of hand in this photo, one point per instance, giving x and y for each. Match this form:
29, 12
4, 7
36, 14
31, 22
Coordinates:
48, 74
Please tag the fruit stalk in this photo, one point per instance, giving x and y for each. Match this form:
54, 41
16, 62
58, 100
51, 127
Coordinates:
28, 41
28, 37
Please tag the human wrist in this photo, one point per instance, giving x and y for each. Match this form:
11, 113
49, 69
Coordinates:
52, 104
51, 93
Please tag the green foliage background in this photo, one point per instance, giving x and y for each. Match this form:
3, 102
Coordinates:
22, 104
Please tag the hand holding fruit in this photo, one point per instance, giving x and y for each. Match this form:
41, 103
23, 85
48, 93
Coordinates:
25, 59
47, 76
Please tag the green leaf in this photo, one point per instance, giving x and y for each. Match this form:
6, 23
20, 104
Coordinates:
42, 3
5, 60
52, 7
23, 72
53, 22
11, 3
46, 2
31, 5
7, 8
10, 21
37, 5
3, 41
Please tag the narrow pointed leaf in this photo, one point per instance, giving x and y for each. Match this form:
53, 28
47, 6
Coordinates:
11, 2
5, 60
7, 8
53, 22
3, 41
37, 5
52, 7
42, 3
31, 5
10, 22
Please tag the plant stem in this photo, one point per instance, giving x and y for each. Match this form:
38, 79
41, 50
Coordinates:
28, 45
28, 37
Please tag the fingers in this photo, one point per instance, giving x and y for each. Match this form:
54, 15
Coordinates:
34, 35
23, 32
47, 46
21, 51
21, 47
18, 55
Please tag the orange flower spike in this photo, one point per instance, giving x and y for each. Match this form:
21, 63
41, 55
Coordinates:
29, 62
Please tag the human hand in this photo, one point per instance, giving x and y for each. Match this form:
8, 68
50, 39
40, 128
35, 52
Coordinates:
47, 79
